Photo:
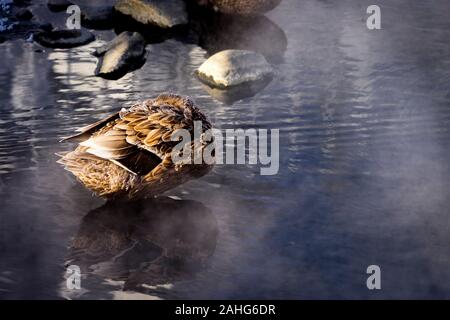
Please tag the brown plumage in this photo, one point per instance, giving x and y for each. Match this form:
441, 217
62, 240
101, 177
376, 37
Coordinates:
129, 154
241, 7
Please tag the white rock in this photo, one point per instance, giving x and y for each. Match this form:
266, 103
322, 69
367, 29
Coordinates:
234, 67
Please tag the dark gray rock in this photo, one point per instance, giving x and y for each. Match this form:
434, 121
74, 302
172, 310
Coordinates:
123, 54
24, 14
47, 27
161, 13
58, 5
22, 3
98, 17
64, 38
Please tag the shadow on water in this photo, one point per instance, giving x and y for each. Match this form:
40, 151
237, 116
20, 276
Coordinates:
143, 244
216, 32
236, 93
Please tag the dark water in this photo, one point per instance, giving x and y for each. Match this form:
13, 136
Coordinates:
364, 173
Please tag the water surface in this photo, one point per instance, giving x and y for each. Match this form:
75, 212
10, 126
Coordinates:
364, 173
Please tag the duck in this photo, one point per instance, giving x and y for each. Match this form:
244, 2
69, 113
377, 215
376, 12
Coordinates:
240, 7
128, 155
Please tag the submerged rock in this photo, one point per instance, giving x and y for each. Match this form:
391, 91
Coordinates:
58, 5
45, 27
123, 54
98, 17
240, 7
64, 38
161, 13
231, 68
24, 14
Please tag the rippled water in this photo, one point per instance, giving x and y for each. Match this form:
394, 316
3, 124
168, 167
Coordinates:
364, 173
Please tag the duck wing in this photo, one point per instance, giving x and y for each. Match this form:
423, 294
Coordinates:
150, 126
85, 132
111, 144
151, 130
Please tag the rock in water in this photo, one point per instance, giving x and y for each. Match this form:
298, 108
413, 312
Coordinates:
124, 54
230, 68
45, 27
24, 14
162, 13
98, 17
64, 38
241, 7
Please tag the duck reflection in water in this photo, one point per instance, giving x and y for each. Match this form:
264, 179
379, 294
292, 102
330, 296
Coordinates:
145, 243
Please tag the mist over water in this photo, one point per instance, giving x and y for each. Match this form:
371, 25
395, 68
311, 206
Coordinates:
364, 173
